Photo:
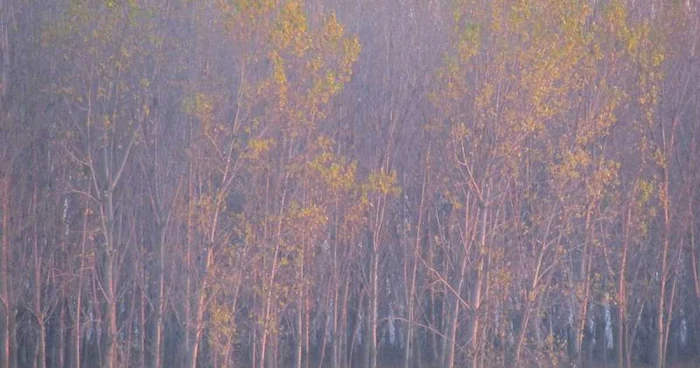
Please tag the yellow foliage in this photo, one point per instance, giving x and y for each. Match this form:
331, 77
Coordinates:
257, 148
383, 183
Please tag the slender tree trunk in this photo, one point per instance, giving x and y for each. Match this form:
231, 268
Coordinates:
622, 297
374, 307
663, 278
532, 305
335, 342
477, 296
307, 326
108, 284
581, 324
5, 51
4, 277
159, 301
580, 310
127, 358
339, 329
268, 311
434, 317
661, 306
254, 350
199, 307
7, 315
585, 277
38, 313
79, 296
60, 341
300, 313
268, 303
360, 321
667, 328
344, 359
142, 321
191, 277
454, 314
410, 313
410, 316
374, 280
327, 328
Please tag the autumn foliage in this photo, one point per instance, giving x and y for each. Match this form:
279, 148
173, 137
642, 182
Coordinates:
327, 183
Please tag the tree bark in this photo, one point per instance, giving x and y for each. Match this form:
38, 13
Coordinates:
107, 250
8, 341
38, 284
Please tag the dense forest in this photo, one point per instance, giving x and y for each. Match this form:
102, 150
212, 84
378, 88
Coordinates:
349, 183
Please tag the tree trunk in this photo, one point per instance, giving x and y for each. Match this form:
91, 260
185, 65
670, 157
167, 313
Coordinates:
7, 315
661, 306
4, 274
59, 357
159, 301
622, 298
108, 249
39, 316
38, 313
344, 360
411, 297
454, 314
79, 297
374, 307
477, 297
198, 325
142, 325
264, 344
300, 313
